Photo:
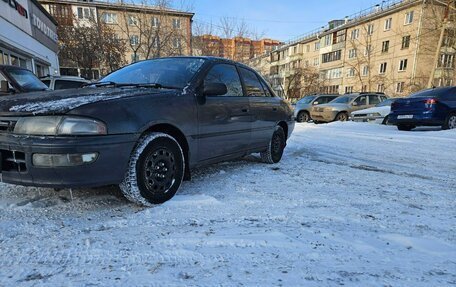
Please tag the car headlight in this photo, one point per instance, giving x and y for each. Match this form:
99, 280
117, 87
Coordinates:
59, 125
374, 115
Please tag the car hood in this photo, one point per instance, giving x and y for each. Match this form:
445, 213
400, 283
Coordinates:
62, 101
334, 105
382, 110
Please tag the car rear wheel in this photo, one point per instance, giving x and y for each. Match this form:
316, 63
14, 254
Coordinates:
155, 170
450, 122
303, 117
405, 127
276, 147
342, 117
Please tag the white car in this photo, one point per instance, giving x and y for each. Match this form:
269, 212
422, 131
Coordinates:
378, 114
64, 82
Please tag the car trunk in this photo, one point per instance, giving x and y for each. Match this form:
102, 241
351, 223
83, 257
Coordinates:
414, 105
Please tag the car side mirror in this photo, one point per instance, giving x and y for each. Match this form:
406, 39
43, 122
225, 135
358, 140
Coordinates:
4, 87
215, 89
315, 103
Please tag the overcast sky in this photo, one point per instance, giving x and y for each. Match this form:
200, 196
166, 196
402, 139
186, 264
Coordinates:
278, 19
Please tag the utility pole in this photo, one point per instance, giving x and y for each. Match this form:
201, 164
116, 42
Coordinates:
439, 45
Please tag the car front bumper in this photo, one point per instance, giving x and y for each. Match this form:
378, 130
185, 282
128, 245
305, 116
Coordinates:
325, 116
376, 120
109, 168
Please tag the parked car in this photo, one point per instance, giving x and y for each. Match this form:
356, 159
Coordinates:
431, 107
340, 108
143, 127
378, 114
64, 82
303, 106
16, 80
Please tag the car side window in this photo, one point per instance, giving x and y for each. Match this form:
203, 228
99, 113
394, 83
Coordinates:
361, 100
324, 100
266, 89
373, 100
252, 84
383, 98
228, 75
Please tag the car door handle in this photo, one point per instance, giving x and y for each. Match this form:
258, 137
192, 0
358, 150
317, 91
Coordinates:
245, 110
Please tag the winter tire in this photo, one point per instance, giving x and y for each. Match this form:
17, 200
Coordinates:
303, 117
275, 148
155, 170
405, 127
385, 120
450, 122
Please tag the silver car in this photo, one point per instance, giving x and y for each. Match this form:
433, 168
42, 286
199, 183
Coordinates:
341, 108
304, 106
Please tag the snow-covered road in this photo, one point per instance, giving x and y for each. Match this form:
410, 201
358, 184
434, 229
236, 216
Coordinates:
350, 204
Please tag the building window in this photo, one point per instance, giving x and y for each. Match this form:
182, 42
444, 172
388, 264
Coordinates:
446, 61
331, 56
381, 88
368, 50
405, 42
176, 23
328, 40
354, 34
351, 72
409, 18
155, 22
388, 23
403, 65
134, 40
109, 18
176, 43
86, 13
316, 61
332, 74
365, 71
132, 20
383, 68
370, 29
349, 89
352, 53
317, 46
400, 87
364, 88
385, 46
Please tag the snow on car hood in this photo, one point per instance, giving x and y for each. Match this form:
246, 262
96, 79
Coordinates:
382, 110
62, 101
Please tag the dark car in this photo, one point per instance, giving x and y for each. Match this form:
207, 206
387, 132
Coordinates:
19, 80
431, 107
304, 106
143, 127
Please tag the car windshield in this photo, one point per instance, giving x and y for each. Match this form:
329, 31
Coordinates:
26, 79
341, 100
385, 103
168, 72
307, 100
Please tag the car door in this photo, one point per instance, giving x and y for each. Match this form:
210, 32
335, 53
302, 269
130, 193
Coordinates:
264, 107
360, 103
224, 121
374, 100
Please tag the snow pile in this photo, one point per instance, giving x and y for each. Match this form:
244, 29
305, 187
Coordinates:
350, 204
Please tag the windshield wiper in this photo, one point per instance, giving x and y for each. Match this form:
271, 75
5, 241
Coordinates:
148, 85
101, 84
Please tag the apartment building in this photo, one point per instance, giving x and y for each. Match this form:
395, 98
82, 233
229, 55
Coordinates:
148, 31
237, 48
389, 48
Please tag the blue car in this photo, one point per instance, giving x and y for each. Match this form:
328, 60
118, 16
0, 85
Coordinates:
432, 107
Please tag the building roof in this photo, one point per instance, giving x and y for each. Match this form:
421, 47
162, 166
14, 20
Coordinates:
118, 6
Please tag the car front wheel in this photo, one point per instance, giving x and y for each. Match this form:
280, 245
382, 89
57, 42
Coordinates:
276, 146
342, 117
155, 170
450, 122
303, 117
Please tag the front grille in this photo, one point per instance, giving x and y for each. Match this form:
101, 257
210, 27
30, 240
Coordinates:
360, 115
13, 161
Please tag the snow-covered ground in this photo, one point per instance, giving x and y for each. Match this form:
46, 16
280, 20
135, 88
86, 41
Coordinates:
350, 204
